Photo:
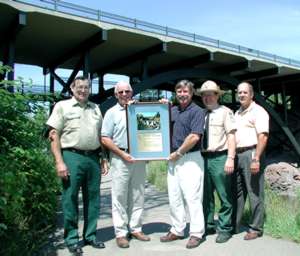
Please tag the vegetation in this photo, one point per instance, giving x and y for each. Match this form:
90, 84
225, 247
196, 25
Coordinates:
28, 183
157, 174
282, 215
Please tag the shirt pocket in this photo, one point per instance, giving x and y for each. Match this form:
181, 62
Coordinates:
72, 121
216, 127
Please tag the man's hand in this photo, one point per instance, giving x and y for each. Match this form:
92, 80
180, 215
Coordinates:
164, 101
131, 102
174, 156
62, 170
254, 166
128, 158
229, 166
104, 167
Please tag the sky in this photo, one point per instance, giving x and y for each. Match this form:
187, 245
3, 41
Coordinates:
268, 25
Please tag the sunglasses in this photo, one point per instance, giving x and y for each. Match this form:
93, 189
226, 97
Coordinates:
126, 92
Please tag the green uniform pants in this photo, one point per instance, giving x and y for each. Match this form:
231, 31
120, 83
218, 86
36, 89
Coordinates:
85, 173
215, 178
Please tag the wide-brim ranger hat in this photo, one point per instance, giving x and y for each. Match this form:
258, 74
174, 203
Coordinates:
210, 86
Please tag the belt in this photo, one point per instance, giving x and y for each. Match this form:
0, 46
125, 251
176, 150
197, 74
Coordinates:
243, 149
190, 151
213, 153
82, 152
124, 149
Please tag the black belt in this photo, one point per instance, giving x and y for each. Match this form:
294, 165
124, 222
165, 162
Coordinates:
190, 151
193, 150
124, 149
213, 153
83, 152
243, 149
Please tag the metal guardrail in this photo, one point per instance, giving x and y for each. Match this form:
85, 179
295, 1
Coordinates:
45, 89
98, 15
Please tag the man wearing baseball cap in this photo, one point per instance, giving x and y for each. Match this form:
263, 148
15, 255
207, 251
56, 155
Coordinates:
218, 151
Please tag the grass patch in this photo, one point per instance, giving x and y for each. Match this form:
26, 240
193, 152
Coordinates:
282, 215
157, 174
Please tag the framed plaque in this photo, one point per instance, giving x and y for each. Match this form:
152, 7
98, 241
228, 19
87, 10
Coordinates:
148, 130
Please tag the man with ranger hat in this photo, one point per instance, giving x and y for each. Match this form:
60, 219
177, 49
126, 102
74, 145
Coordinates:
218, 151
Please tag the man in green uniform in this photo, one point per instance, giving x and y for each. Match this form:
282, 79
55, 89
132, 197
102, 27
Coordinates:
75, 126
218, 152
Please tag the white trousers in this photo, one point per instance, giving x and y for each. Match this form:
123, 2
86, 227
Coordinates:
185, 187
128, 189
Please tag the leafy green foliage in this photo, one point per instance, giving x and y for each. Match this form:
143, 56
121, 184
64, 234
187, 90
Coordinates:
28, 183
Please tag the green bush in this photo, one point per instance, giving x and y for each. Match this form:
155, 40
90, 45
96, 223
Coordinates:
28, 183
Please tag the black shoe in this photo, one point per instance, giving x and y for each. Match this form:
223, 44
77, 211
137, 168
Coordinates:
95, 244
223, 237
75, 249
210, 231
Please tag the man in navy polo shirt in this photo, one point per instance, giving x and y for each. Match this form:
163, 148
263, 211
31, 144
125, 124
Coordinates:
185, 168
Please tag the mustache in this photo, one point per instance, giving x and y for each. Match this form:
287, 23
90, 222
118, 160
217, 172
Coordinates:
182, 97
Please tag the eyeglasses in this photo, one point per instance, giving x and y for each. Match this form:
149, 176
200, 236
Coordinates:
126, 92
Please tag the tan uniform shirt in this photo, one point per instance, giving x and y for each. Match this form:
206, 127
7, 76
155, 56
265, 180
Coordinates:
221, 123
250, 122
79, 127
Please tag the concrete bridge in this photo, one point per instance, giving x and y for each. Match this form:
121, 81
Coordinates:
56, 34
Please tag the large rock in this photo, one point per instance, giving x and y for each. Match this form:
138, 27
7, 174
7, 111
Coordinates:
283, 178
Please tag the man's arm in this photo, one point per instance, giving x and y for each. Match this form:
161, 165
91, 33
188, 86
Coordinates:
262, 139
110, 145
189, 142
61, 168
229, 164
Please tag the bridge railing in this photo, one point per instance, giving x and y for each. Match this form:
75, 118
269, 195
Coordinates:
98, 15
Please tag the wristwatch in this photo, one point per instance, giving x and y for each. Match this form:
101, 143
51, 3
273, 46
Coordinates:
179, 153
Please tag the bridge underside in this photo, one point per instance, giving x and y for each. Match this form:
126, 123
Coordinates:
52, 40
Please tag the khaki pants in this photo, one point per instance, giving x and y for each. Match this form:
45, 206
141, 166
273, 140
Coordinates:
128, 188
185, 186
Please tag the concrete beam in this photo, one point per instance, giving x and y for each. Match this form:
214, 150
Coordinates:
159, 48
259, 74
99, 38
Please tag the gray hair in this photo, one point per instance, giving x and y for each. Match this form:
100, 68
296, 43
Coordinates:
249, 86
118, 84
185, 83
80, 78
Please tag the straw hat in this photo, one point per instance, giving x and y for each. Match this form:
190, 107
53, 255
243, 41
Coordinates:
210, 86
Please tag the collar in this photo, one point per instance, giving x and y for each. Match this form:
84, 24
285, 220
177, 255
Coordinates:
187, 107
75, 102
119, 106
213, 109
251, 106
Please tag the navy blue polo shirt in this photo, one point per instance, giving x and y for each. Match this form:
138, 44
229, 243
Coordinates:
186, 121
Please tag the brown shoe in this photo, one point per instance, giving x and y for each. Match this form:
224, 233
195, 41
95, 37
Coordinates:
252, 235
170, 237
194, 242
122, 242
140, 236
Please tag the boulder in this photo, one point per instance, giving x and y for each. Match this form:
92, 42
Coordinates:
283, 178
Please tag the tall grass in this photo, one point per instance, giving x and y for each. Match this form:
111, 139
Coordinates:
282, 215
157, 174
